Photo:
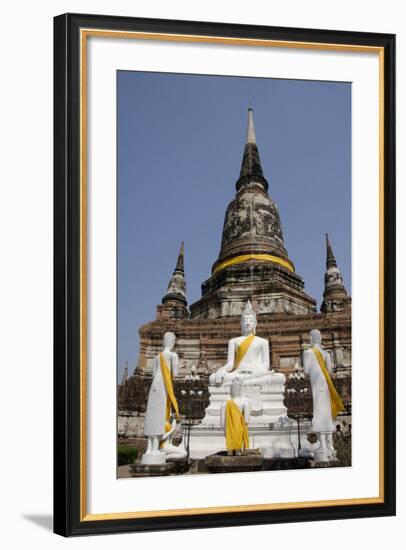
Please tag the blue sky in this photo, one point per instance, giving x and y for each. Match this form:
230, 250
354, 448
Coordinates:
180, 146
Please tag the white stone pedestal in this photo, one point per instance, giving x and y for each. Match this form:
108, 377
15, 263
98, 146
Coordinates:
269, 429
266, 402
274, 440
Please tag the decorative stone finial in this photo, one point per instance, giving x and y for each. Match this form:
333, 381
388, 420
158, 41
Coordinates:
251, 138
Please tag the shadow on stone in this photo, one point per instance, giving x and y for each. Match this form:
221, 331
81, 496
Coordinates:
286, 463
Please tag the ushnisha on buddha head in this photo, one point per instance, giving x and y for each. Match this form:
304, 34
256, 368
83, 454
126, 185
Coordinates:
248, 319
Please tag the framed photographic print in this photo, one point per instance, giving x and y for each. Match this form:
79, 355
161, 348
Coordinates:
224, 274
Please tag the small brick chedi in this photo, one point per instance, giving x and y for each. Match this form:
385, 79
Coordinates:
253, 264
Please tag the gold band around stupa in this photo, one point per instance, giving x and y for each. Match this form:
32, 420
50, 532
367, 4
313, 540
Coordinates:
259, 257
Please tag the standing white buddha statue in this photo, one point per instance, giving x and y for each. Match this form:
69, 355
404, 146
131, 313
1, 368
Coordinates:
161, 401
326, 401
247, 356
234, 419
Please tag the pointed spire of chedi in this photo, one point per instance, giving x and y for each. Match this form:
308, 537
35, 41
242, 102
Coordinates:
335, 297
180, 263
125, 374
251, 169
251, 137
174, 303
331, 261
252, 226
177, 285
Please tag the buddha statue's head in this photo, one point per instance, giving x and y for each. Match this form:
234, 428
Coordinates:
169, 340
236, 388
315, 337
248, 320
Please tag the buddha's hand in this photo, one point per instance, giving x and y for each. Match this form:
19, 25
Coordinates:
216, 378
219, 377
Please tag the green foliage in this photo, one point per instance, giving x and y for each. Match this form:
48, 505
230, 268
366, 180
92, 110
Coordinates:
126, 454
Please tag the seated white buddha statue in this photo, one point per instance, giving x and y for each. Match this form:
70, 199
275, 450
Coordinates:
248, 356
172, 451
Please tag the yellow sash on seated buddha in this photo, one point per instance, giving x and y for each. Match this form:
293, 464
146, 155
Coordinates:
241, 350
167, 378
236, 428
336, 403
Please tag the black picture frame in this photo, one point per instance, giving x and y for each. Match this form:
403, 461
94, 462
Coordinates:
68, 519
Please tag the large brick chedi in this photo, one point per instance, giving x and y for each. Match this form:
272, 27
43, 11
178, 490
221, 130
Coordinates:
253, 263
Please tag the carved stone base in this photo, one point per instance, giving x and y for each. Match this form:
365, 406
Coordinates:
221, 463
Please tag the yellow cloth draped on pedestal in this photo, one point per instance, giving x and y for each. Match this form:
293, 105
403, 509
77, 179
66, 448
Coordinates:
167, 378
241, 350
236, 428
336, 403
